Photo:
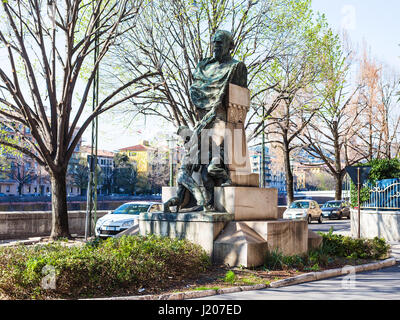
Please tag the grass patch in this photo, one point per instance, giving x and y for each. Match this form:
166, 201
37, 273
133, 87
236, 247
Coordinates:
206, 288
99, 268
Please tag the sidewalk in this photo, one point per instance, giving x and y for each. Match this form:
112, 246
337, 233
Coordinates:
395, 250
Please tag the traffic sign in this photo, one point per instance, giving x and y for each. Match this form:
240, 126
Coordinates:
353, 173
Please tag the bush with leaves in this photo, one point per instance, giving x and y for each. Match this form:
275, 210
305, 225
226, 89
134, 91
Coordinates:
347, 247
99, 267
334, 247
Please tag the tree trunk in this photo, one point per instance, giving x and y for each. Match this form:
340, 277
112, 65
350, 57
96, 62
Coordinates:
289, 177
59, 225
338, 186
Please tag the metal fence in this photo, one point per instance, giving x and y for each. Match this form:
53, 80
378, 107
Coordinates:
385, 194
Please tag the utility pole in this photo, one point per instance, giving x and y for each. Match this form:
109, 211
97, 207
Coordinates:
171, 146
91, 200
262, 169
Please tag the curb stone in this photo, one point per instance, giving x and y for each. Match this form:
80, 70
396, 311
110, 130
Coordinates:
253, 287
306, 277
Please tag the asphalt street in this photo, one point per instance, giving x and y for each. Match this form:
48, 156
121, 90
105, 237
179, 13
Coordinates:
339, 226
383, 284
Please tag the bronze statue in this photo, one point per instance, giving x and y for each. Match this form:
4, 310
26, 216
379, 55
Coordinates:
213, 75
209, 95
190, 163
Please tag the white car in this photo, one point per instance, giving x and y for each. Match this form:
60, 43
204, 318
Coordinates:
308, 210
124, 217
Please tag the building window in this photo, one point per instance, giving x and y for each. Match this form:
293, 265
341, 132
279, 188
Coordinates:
7, 188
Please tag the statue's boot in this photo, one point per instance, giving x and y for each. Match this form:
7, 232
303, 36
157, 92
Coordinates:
224, 176
170, 203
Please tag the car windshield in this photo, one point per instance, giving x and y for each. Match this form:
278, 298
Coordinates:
300, 205
333, 204
130, 208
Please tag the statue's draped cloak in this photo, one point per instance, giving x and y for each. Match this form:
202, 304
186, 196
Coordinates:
211, 79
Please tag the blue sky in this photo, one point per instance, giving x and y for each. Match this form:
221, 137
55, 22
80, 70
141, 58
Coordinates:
375, 21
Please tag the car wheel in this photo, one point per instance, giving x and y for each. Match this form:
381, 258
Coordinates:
309, 219
320, 219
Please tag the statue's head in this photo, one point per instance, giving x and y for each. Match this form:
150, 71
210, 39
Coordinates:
185, 133
222, 43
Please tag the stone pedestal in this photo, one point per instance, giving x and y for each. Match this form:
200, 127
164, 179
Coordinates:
247, 203
198, 227
246, 227
240, 245
247, 243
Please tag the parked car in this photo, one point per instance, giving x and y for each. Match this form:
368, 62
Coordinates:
124, 217
3, 194
308, 210
336, 209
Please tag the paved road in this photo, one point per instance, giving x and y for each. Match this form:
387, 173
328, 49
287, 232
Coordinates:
339, 226
374, 285
383, 284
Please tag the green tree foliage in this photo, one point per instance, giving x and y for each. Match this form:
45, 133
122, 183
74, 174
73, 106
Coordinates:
125, 174
383, 169
79, 175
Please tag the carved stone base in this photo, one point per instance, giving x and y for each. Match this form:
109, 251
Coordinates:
239, 245
247, 203
197, 227
247, 243
245, 180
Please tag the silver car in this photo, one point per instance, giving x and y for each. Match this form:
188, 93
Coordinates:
308, 210
124, 217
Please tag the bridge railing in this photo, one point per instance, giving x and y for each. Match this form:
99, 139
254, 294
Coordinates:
385, 194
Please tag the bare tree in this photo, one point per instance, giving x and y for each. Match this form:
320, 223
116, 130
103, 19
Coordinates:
295, 74
389, 119
50, 73
378, 86
332, 136
23, 172
174, 36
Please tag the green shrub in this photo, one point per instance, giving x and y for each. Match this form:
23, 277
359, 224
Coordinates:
347, 247
99, 267
276, 260
333, 247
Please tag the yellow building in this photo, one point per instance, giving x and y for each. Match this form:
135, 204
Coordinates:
141, 154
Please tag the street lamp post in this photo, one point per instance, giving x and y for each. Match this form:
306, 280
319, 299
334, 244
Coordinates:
171, 146
91, 206
263, 149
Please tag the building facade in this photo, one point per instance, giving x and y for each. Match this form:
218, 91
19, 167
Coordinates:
21, 175
255, 154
